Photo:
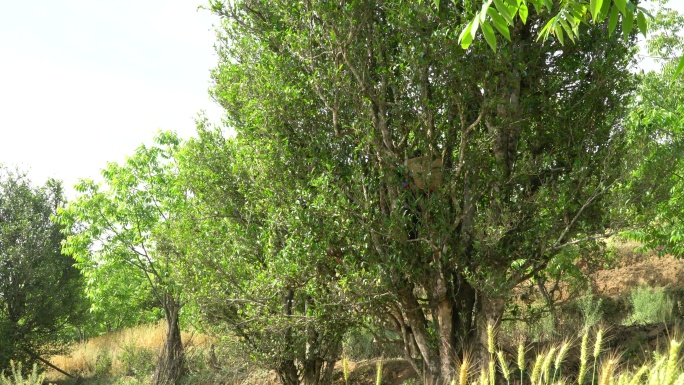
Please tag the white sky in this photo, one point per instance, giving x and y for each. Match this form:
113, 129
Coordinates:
86, 82
83, 82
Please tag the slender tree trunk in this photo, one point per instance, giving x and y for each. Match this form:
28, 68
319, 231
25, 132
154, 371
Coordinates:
171, 365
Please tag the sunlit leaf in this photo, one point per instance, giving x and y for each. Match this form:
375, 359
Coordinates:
642, 23
523, 12
627, 24
595, 8
612, 21
466, 37
488, 32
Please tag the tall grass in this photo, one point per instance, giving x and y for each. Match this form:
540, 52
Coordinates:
111, 354
553, 366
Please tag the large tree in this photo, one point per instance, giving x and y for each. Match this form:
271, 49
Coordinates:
256, 263
40, 289
116, 229
463, 173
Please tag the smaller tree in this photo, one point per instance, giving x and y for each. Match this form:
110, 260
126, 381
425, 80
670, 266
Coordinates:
115, 231
40, 289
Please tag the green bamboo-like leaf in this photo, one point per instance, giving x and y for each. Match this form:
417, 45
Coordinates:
488, 32
567, 29
559, 34
473, 29
485, 8
605, 9
503, 11
627, 24
642, 23
612, 21
465, 38
523, 12
621, 5
537, 5
595, 8
680, 67
436, 3
544, 33
499, 23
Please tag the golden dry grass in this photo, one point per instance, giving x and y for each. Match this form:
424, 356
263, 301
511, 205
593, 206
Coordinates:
83, 356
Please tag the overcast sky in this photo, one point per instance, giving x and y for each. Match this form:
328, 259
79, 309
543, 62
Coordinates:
83, 82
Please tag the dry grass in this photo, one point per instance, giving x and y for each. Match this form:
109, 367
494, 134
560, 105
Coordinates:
83, 357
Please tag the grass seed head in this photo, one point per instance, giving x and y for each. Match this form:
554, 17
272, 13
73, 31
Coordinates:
504, 365
521, 356
598, 342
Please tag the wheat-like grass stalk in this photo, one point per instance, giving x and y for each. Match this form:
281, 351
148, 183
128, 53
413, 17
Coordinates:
597, 351
521, 360
656, 375
378, 372
463, 370
504, 366
483, 376
636, 378
672, 359
607, 370
546, 366
536, 369
491, 345
565, 346
680, 380
492, 370
345, 369
584, 351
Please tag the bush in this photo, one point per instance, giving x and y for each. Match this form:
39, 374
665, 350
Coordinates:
137, 361
591, 309
17, 377
103, 365
650, 306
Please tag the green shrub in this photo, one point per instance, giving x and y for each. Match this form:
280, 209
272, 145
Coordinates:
103, 365
19, 378
650, 306
137, 361
359, 345
591, 309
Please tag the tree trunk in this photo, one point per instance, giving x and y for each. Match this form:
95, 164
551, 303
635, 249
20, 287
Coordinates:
171, 363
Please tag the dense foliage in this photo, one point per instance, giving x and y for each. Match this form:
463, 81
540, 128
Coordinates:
461, 173
40, 289
390, 168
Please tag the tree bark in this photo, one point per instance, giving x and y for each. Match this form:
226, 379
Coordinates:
171, 364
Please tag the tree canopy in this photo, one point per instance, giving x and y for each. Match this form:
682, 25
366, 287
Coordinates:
462, 173
40, 289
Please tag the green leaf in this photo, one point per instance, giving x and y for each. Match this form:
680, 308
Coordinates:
627, 24
503, 11
641, 22
485, 8
466, 37
612, 21
499, 23
473, 29
436, 3
595, 8
488, 32
567, 29
605, 9
680, 67
544, 33
559, 34
621, 5
523, 12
